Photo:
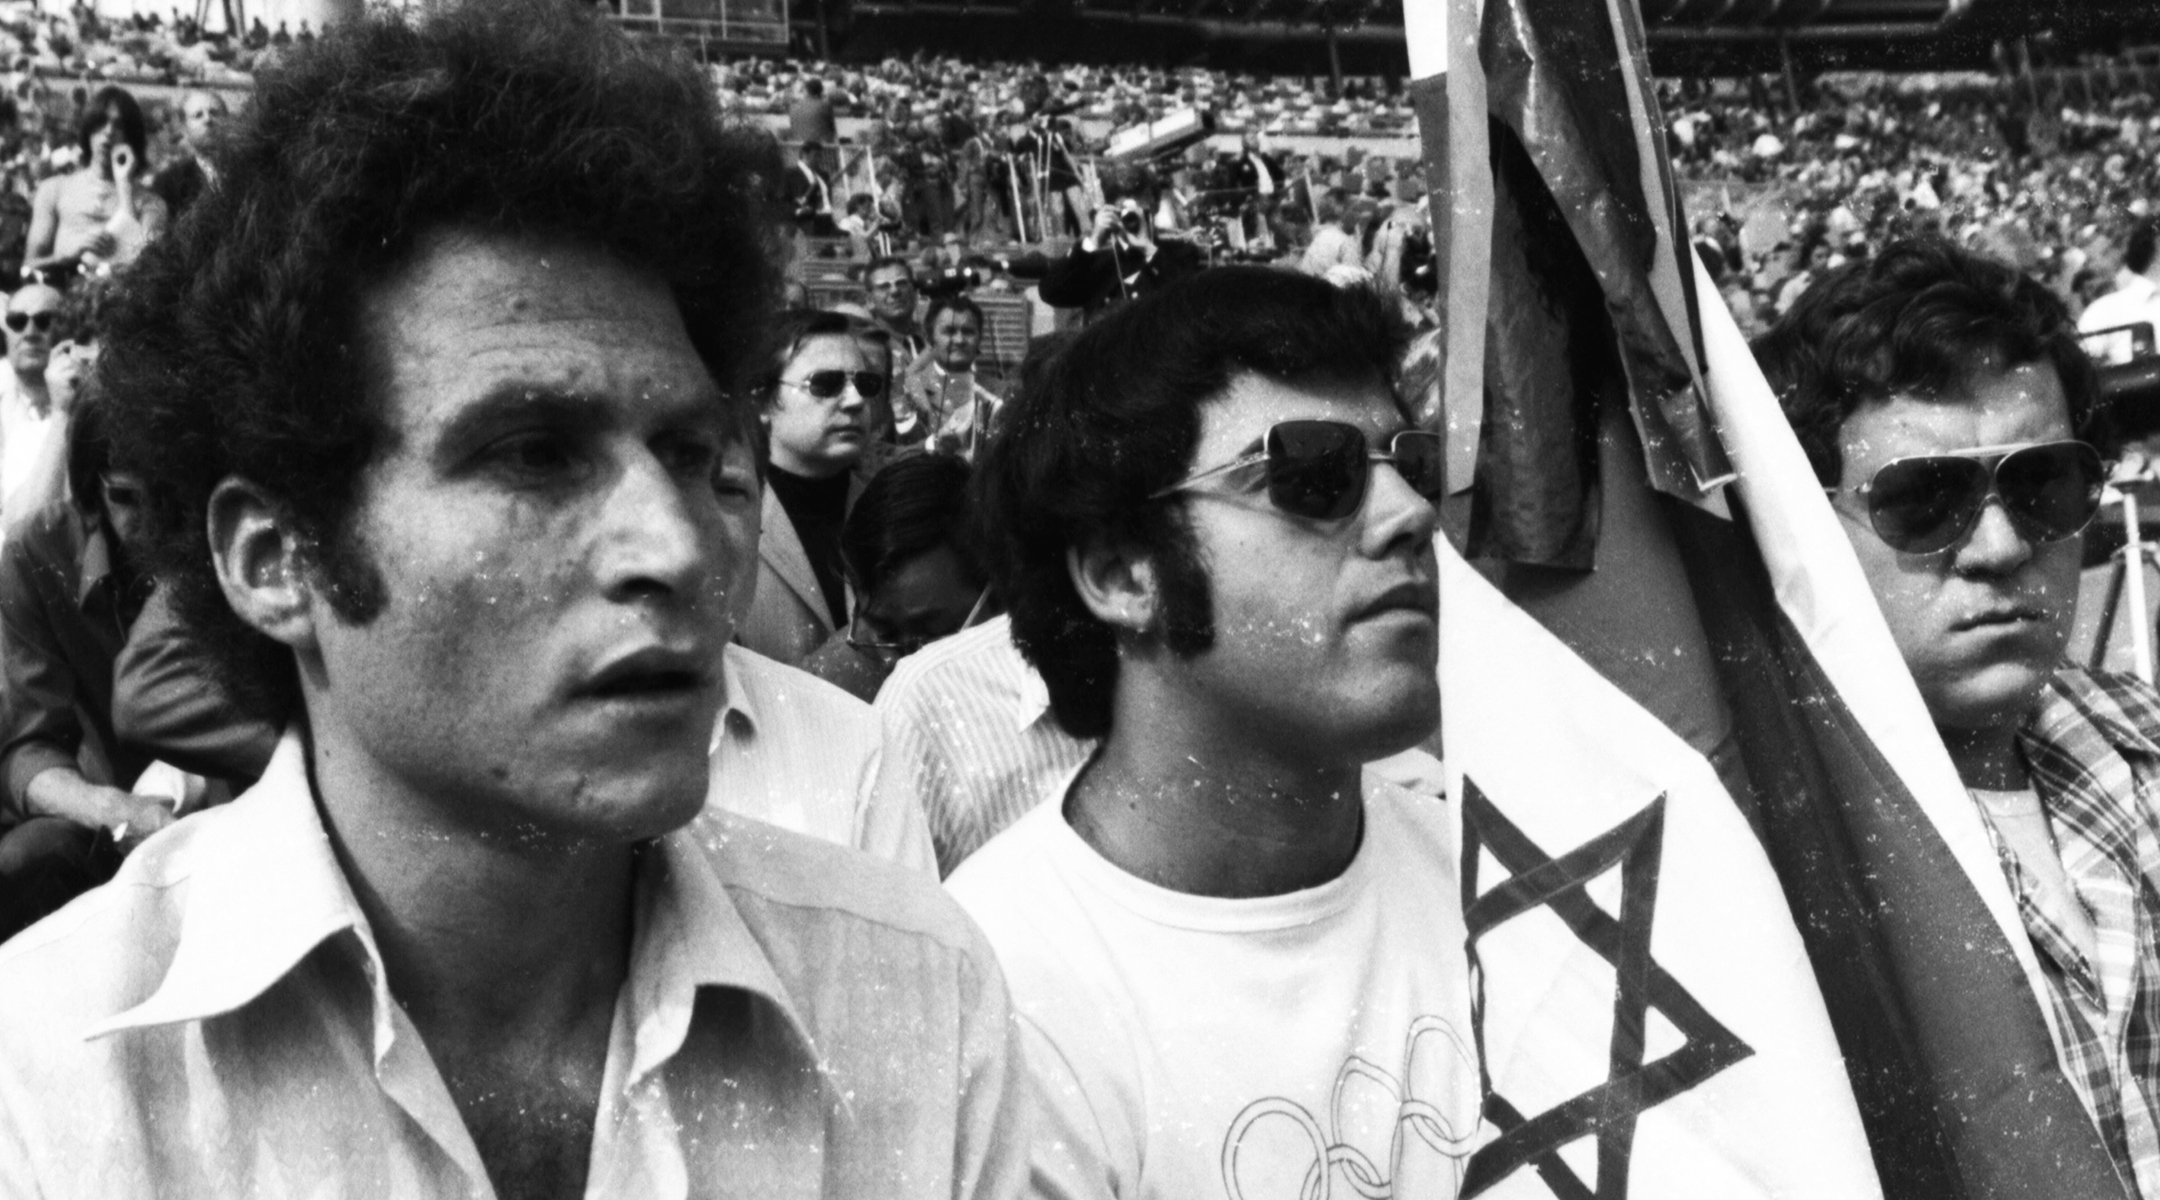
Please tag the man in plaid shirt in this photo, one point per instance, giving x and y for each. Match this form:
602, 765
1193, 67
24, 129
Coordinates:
1951, 416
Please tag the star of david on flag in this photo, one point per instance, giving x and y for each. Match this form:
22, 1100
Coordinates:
1606, 1112
1663, 605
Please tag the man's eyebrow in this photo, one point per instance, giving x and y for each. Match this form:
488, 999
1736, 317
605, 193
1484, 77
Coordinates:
516, 403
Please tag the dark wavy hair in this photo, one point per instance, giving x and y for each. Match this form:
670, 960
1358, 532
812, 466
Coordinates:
956, 303
1920, 319
235, 348
112, 98
1107, 419
913, 505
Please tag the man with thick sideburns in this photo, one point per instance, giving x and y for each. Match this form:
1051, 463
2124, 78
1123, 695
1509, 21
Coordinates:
437, 410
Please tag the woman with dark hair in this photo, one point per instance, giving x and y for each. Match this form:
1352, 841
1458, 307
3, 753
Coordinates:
818, 398
103, 212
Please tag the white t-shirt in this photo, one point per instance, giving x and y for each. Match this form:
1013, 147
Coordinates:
1197, 1048
29, 452
2023, 826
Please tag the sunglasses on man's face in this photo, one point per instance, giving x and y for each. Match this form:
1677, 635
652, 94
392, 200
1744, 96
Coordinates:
1319, 469
1929, 502
19, 321
827, 385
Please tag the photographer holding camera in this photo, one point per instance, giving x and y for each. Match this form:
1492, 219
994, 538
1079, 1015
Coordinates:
1119, 260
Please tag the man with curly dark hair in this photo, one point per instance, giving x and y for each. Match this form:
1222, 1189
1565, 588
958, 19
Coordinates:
1951, 416
1214, 527
434, 400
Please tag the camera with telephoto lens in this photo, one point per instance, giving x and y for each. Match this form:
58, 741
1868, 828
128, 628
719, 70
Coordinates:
952, 281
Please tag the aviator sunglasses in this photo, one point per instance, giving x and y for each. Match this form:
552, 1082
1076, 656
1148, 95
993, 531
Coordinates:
1319, 469
19, 321
827, 385
1919, 505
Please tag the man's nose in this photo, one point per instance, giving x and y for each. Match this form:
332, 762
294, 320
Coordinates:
1995, 545
1396, 513
651, 543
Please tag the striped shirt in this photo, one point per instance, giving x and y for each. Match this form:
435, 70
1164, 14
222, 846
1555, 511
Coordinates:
793, 750
2093, 751
969, 737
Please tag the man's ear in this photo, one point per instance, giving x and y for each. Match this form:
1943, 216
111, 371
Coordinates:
261, 563
1117, 584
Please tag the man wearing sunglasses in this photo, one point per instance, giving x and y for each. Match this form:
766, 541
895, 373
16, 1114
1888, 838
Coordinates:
1950, 415
889, 285
1212, 522
30, 431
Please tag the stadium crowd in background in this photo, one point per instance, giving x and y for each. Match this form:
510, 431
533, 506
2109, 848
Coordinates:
956, 533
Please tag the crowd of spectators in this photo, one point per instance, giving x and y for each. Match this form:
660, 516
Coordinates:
482, 522
1117, 96
2050, 186
984, 154
986, 178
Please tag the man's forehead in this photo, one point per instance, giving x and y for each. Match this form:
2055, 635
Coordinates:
34, 298
1245, 410
479, 278
475, 314
2024, 403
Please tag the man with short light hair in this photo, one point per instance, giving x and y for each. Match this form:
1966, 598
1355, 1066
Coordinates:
182, 180
889, 285
2132, 310
456, 483
32, 434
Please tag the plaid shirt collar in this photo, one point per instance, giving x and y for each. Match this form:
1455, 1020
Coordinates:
2092, 753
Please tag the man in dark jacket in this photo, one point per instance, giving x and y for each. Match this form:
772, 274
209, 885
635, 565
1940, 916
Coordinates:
185, 177
1118, 260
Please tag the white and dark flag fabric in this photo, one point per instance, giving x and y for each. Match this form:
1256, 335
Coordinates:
1736, 928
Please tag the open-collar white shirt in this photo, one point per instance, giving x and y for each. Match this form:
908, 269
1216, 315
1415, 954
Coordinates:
798, 1020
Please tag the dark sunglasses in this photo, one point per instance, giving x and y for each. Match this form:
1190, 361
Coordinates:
19, 321
121, 494
827, 385
2049, 490
1319, 469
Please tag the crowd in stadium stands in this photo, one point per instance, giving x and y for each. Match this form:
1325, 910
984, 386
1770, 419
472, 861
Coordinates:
2051, 190
452, 468
1118, 95
966, 185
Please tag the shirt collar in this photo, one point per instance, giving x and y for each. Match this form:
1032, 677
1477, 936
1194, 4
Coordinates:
690, 937
263, 890
735, 707
2075, 697
96, 564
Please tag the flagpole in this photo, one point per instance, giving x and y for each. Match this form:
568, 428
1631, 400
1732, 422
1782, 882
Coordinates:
1447, 89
